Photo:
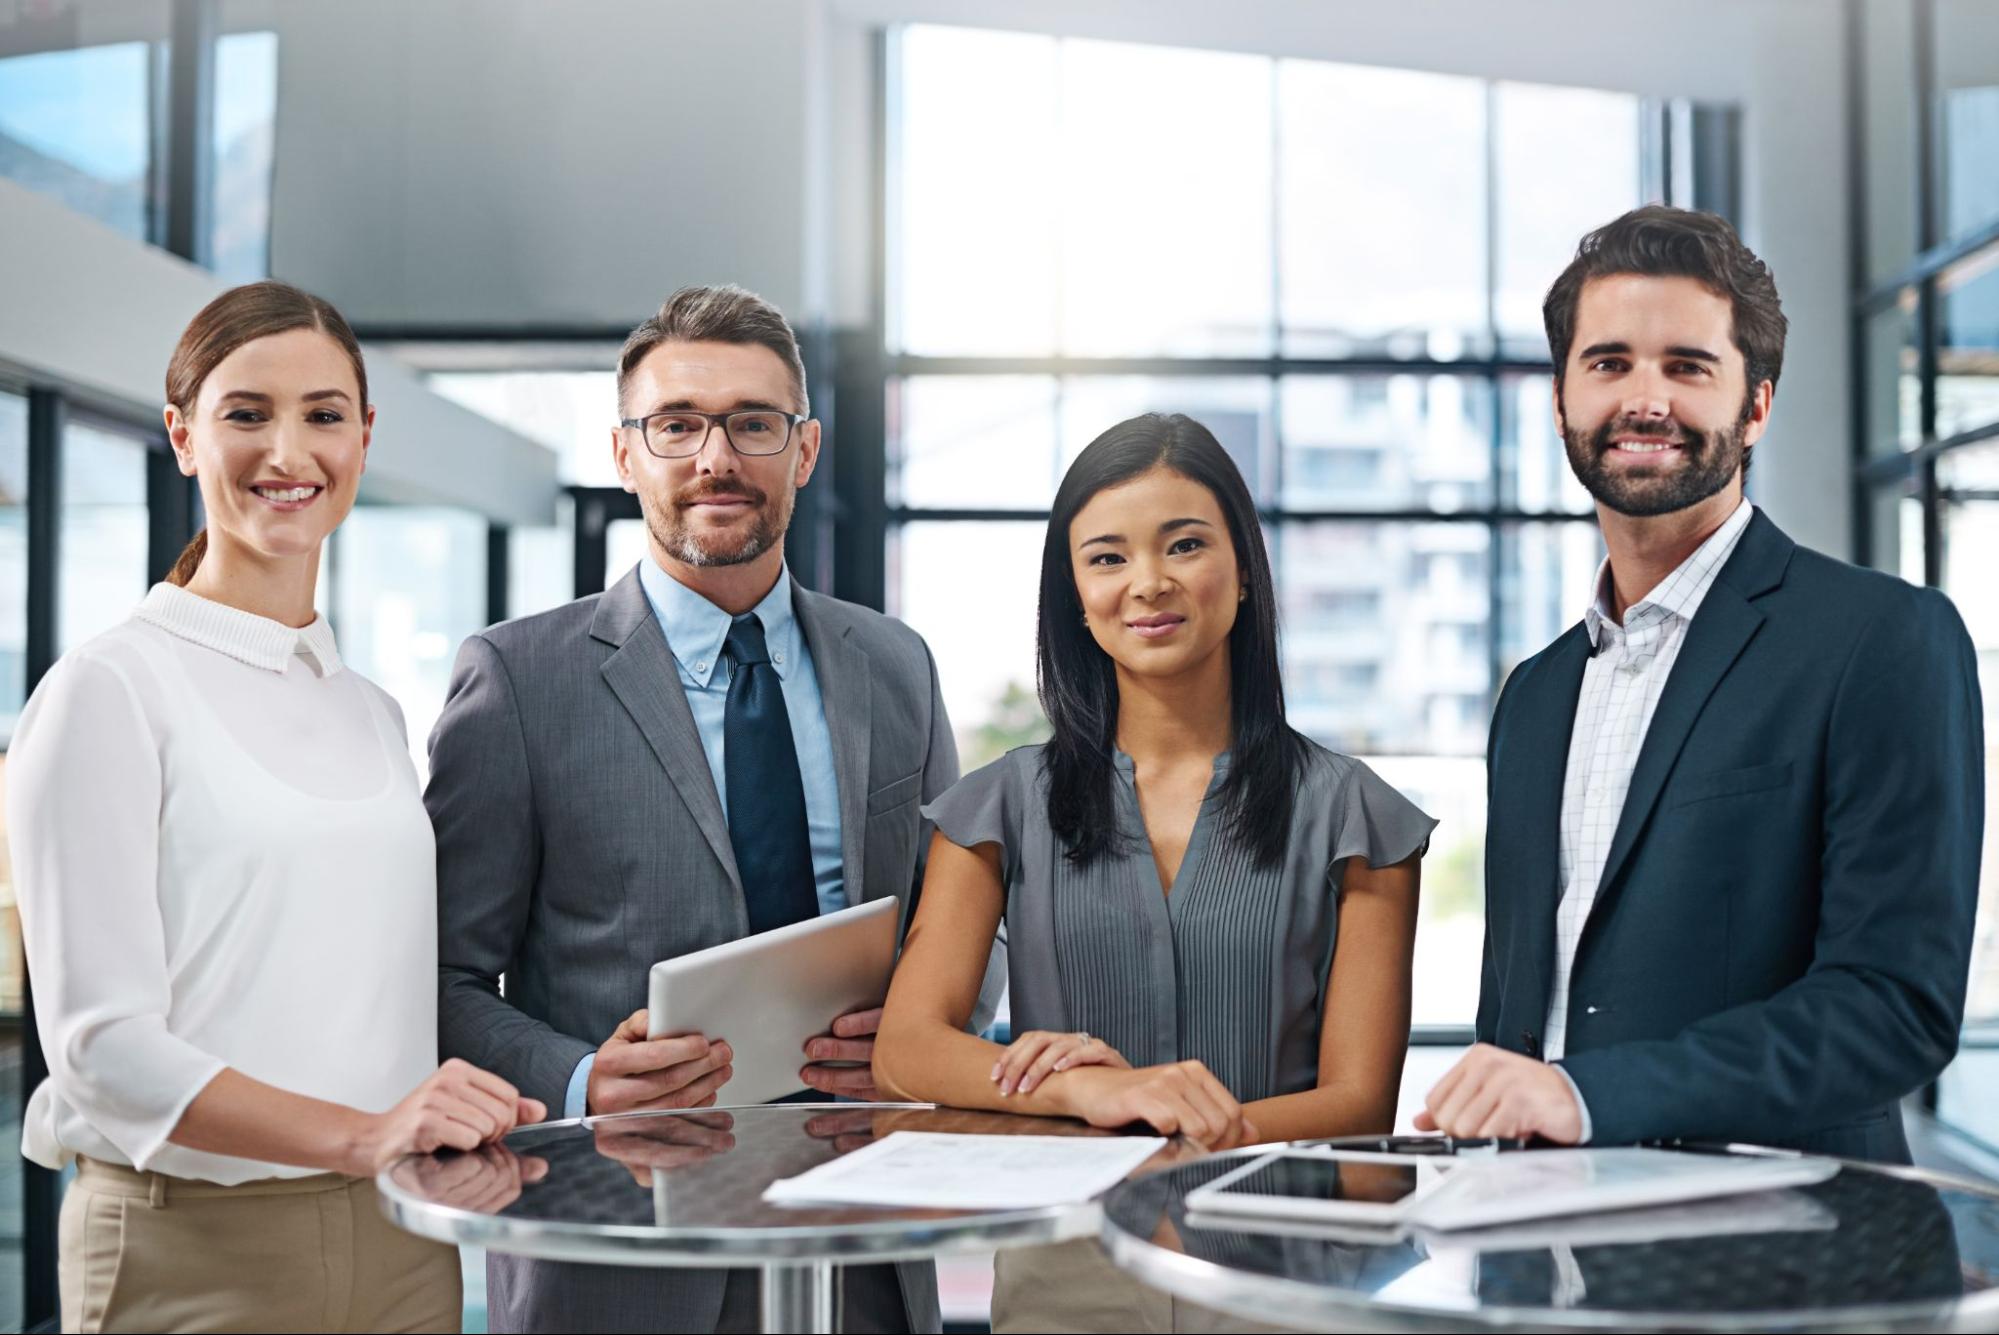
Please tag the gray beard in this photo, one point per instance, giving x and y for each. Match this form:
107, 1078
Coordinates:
676, 538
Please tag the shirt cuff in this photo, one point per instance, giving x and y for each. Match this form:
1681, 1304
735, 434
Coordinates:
1577, 1094
576, 1102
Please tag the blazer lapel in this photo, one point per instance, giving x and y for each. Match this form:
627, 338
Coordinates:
1722, 628
846, 687
1539, 726
643, 675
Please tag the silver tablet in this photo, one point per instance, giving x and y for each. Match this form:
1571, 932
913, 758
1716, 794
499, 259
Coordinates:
766, 994
1325, 1184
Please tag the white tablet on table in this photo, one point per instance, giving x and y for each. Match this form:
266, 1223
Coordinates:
1318, 1183
766, 994
1439, 1193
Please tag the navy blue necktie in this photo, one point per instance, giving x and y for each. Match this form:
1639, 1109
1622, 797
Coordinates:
766, 796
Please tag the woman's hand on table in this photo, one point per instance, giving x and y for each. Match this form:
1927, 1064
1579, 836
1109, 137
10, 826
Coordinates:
458, 1107
1180, 1098
1039, 1053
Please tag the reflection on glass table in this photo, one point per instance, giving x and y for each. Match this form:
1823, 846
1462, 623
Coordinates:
686, 1189
1872, 1247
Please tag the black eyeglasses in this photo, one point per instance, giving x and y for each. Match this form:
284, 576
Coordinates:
680, 432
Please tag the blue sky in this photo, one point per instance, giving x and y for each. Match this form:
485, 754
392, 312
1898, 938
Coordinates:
87, 107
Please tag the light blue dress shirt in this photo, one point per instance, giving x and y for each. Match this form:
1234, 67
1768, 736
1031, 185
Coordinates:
695, 629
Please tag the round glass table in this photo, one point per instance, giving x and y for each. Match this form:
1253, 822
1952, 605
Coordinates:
686, 1189
1872, 1248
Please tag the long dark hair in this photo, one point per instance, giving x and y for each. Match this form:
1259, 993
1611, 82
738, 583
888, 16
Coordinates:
1078, 680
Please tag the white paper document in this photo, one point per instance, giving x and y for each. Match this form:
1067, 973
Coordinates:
938, 1170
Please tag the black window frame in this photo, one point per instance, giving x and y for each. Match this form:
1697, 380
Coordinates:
1911, 472
1690, 155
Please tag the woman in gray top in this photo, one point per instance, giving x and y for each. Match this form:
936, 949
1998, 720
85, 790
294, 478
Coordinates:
1209, 918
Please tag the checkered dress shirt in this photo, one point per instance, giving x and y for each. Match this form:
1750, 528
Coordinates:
1622, 681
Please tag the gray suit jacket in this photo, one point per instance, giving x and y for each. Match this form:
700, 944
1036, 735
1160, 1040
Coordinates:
580, 840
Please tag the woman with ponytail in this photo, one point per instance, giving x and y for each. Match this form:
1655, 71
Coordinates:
1210, 919
227, 887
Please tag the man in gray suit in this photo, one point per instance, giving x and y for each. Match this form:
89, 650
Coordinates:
703, 751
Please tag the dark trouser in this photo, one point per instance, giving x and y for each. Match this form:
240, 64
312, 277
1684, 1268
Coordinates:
535, 1296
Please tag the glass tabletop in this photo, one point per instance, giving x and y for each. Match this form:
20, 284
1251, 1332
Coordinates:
686, 1188
1872, 1247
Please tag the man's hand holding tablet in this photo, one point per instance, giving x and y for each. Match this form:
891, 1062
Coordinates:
633, 1073
849, 1040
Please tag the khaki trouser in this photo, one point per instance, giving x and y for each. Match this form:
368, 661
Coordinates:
142, 1251
1072, 1286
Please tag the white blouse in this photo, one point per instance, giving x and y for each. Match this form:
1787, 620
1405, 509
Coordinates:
221, 859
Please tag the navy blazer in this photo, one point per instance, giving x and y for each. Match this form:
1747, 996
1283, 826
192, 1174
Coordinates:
1779, 946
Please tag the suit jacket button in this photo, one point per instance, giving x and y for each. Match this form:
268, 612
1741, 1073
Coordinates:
1529, 1044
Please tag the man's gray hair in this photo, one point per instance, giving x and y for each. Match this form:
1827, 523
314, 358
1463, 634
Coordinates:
719, 314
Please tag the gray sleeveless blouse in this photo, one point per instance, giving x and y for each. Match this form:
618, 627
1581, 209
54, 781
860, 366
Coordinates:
1229, 968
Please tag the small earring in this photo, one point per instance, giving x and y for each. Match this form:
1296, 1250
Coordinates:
1242, 595
1086, 618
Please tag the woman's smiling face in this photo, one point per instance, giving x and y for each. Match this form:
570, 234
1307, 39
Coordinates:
1156, 572
277, 440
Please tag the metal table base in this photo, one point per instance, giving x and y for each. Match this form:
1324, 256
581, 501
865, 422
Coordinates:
799, 1299
685, 1189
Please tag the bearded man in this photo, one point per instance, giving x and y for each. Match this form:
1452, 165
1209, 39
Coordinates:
704, 751
1734, 813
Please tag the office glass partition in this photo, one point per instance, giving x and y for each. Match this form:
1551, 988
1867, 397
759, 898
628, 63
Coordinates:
1394, 441
104, 527
961, 254
1533, 464
1894, 384
13, 563
1966, 105
1351, 306
409, 584
572, 412
80, 126
1967, 385
541, 569
1545, 201
625, 547
973, 442
1133, 215
971, 589
13, 690
1926, 411
244, 137
1381, 212
1969, 486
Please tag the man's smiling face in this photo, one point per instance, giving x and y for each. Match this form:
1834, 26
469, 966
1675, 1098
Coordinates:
1654, 404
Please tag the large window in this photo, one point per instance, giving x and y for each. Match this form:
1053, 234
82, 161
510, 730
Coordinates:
13, 563
1926, 445
104, 528
408, 585
1969, 499
1339, 270
13, 684
79, 125
245, 137
89, 125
